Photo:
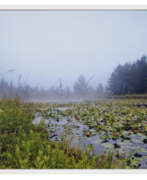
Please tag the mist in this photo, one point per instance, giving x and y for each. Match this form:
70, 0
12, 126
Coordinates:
51, 50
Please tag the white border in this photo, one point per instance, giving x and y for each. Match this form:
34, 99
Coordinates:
73, 7
74, 171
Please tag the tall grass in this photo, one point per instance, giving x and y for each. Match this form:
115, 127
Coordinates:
24, 145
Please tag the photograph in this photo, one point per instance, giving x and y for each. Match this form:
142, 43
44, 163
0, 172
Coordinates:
73, 89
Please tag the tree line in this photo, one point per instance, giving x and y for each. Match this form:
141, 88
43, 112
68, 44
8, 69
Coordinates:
80, 90
130, 78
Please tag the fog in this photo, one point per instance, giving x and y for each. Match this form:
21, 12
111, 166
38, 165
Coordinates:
46, 47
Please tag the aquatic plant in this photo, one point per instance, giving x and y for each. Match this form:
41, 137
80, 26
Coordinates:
24, 144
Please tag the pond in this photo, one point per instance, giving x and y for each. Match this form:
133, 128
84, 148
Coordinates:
62, 120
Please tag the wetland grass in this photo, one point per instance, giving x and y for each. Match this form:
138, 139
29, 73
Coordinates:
25, 145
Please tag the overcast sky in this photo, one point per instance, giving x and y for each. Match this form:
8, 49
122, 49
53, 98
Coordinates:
45, 46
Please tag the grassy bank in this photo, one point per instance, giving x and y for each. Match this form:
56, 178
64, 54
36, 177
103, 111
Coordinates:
24, 145
128, 96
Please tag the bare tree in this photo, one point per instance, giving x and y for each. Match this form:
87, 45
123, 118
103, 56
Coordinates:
81, 86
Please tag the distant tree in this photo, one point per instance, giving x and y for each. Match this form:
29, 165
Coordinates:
140, 78
60, 90
100, 90
115, 85
81, 86
129, 78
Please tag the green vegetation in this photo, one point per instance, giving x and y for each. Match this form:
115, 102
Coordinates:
130, 78
24, 144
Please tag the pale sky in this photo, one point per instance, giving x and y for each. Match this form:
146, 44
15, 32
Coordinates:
45, 46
